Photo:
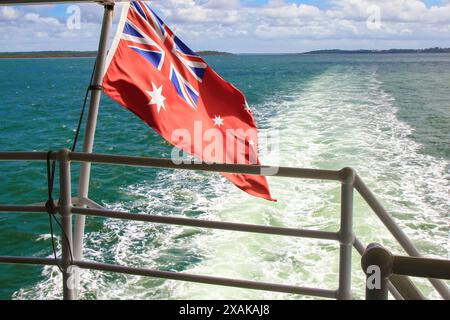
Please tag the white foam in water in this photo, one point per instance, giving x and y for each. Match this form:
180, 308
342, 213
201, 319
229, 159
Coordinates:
342, 118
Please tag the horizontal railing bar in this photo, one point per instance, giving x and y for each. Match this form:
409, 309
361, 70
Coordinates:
395, 230
24, 209
180, 221
29, 260
287, 172
228, 168
421, 267
245, 284
26, 156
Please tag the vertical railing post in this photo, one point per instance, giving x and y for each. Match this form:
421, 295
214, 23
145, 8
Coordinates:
346, 235
377, 264
65, 210
91, 124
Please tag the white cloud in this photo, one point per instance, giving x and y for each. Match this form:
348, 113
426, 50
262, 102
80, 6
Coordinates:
42, 21
230, 25
282, 10
41, 34
29, 29
8, 13
190, 11
222, 4
282, 19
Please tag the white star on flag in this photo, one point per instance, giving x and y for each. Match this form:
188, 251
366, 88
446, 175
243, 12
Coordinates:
157, 97
218, 121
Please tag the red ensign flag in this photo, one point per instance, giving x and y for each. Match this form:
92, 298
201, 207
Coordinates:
151, 72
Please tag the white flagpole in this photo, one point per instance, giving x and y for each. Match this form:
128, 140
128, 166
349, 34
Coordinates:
83, 188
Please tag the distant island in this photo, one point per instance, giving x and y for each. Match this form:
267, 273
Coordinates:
214, 53
338, 51
78, 54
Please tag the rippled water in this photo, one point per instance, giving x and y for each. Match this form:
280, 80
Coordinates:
388, 116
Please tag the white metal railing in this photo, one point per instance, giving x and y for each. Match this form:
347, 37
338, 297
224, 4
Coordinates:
348, 178
391, 265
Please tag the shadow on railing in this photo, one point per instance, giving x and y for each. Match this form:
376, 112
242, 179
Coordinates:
400, 287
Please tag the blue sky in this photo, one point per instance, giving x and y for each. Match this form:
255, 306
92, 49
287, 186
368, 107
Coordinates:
247, 25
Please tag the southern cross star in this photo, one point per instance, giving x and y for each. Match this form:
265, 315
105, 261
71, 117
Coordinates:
218, 121
157, 98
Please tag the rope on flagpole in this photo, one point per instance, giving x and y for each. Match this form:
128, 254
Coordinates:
83, 109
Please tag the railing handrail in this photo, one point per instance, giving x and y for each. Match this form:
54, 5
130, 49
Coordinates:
347, 176
289, 172
187, 222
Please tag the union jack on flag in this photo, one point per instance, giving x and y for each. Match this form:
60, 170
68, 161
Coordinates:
183, 66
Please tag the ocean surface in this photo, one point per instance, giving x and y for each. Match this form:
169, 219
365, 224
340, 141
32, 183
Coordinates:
388, 116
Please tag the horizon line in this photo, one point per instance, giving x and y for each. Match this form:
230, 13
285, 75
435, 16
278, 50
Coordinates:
244, 53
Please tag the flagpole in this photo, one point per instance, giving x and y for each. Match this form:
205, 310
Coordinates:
85, 172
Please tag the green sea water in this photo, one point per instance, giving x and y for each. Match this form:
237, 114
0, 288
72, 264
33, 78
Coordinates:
388, 116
